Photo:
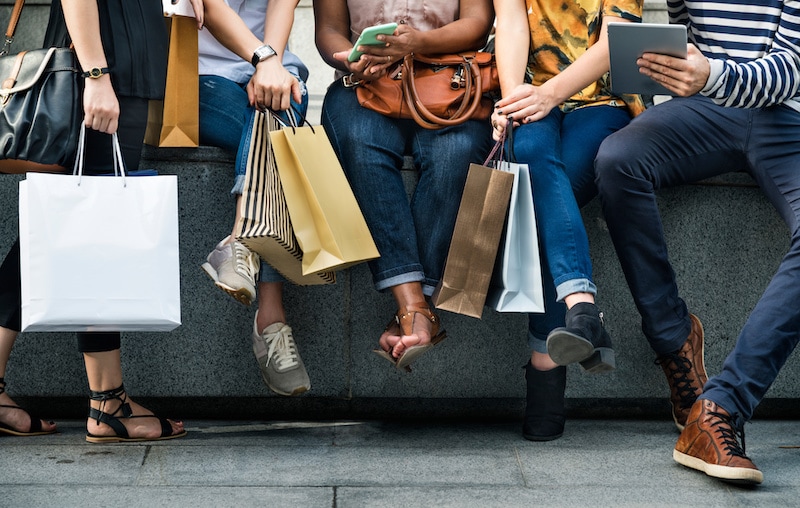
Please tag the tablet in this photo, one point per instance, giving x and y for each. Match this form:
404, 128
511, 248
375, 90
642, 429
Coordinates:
627, 42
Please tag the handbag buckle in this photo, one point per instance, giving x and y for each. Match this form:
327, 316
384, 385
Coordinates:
349, 81
6, 46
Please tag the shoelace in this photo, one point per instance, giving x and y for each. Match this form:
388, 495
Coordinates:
680, 374
729, 434
246, 262
282, 347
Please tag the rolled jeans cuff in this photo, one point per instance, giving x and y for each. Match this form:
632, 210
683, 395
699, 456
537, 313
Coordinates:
268, 274
537, 344
403, 278
569, 287
238, 185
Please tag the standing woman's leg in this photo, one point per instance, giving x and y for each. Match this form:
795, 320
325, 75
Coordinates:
110, 408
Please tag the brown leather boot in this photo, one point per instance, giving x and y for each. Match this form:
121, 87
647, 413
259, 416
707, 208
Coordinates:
709, 443
686, 373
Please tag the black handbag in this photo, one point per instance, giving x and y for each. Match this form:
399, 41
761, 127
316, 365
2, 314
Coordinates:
40, 106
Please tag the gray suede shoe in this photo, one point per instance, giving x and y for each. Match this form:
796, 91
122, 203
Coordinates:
280, 363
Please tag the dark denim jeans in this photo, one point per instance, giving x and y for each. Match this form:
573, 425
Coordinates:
559, 151
412, 237
226, 121
685, 140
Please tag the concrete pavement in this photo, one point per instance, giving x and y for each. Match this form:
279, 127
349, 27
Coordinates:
383, 464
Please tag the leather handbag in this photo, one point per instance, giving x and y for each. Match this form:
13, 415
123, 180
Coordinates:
435, 90
40, 106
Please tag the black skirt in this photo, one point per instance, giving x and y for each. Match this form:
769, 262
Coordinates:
135, 42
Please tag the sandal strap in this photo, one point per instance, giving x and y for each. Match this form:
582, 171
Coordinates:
104, 396
110, 420
36, 423
405, 318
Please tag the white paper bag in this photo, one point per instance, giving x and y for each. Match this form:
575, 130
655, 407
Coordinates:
99, 253
517, 280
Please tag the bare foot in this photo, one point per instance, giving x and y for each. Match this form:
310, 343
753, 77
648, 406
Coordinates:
390, 336
19, 419
146, 428
420, 334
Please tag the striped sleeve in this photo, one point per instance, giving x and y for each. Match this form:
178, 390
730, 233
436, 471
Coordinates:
753, 49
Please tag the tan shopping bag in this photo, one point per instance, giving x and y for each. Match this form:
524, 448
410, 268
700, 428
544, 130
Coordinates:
175, 121
265, 226
476, 240
327, 220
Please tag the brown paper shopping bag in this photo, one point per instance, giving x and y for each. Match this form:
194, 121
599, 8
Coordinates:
326, 218
175, 121
476, 240
265, 226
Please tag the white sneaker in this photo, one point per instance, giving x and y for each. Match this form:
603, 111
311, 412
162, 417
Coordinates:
280, 363
234, 268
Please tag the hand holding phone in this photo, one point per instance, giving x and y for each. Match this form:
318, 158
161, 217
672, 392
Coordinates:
368, 38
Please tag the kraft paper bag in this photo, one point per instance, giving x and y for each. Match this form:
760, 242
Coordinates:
99, 253
517, 280
175, 121
476, 240
265, 226
327, 220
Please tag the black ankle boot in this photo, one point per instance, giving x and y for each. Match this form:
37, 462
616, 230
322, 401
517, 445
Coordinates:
544, 409
583, 339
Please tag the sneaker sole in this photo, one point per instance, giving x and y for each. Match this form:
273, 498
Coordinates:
296, 391
241, 295
565, 348
730, 474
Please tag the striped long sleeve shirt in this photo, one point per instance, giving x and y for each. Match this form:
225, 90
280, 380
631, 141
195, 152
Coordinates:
753, 47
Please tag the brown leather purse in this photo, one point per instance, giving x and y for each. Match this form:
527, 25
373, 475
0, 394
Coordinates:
435, 90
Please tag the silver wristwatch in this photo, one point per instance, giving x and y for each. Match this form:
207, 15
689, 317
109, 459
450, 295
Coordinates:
262, 53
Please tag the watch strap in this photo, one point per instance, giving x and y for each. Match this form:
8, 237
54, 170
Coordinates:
95, 72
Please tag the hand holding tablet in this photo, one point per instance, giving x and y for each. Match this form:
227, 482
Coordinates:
628, 41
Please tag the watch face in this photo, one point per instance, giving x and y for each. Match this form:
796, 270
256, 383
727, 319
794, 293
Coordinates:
264, 52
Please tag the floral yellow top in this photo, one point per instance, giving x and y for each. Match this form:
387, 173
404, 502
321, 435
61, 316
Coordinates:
562, 30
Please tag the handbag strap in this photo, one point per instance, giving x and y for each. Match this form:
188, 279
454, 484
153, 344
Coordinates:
472, 95
12, 26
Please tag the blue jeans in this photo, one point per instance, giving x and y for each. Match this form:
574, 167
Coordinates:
412, 237
685, 140
559, 151
226, 121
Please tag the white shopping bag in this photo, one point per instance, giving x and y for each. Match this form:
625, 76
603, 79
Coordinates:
517, 279
99, 253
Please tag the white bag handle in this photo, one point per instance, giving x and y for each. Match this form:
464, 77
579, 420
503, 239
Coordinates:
119, 162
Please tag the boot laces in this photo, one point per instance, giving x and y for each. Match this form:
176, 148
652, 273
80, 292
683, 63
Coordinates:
282, 347
729, 434
245, 260
679, 370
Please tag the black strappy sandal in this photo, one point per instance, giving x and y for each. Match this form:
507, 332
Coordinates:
113, 421
36, 423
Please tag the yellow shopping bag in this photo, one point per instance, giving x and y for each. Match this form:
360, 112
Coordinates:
175, 121
327, 220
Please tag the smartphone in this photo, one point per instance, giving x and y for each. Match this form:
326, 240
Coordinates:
367, 38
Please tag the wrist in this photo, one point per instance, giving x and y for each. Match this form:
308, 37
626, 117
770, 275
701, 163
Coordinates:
262, 53
95, 72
